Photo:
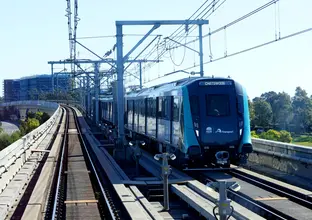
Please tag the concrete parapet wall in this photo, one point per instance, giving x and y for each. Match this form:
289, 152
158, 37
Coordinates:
32, 105
288, 158
13, 157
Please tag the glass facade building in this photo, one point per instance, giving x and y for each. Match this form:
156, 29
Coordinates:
29, 88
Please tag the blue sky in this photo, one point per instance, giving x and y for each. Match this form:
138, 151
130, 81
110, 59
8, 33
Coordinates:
34, 32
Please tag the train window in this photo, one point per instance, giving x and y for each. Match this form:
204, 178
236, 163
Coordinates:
136, 106
217, 105
176, 109
166, 107
160, 107
154, 110
240, 104
149, 107
142, 107
130, 107
194, 102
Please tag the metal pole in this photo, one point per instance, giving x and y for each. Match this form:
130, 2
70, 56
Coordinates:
140, 75
201, 54
85, 92
223, 200
81, 96
120, 89
88, 96
57, 86
52, 78
97, 89
165, 176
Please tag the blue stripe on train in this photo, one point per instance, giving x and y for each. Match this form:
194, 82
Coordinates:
189, 138
246, 132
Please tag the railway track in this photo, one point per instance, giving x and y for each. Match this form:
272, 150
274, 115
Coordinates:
267, 201
265, 198
78, 192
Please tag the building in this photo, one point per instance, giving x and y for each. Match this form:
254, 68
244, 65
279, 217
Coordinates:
11, 90
29, 88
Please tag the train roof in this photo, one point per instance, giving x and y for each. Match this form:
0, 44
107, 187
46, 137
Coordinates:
167, 87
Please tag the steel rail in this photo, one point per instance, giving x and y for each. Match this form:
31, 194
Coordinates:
93, 167
60, 169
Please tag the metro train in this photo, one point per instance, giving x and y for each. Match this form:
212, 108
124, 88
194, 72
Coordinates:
202, 120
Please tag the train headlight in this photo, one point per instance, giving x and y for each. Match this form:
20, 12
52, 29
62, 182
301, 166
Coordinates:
197, 133
240, 131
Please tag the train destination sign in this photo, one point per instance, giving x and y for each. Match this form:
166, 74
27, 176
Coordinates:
215, 83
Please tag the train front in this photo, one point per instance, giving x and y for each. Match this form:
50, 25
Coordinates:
220, 116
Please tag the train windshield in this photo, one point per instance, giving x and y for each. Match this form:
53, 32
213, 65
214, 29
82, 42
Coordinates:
217, 105
214, 110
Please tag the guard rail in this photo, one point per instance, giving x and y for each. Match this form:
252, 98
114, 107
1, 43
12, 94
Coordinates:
20, 149
289, 158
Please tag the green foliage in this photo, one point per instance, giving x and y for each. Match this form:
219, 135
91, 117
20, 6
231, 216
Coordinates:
42, 117
15, 136
33, 120
31, 115
254, 134
303, 138
308, 144
279, 111
251, 113
32, 123
285, 136
263, 113
302, 110
5, 140
273, 135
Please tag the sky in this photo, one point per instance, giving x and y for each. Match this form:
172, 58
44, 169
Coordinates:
34, 32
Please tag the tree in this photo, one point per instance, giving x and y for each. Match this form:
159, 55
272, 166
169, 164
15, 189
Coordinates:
302, 110
45, 116
251, 112
282, 110
31, 115
38, 116
5, 140
15, 136
32, 124
263, 113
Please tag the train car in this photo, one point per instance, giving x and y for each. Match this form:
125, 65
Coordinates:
201, 120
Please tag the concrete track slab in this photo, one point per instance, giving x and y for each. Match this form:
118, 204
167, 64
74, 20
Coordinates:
200, 204
240, 212
278, 182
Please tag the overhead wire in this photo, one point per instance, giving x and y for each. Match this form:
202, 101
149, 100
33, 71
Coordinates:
254, 47
153, 50
211, 5
235, 21
172, 60
227, 25
192, 28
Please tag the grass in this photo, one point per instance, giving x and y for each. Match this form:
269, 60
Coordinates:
309, 144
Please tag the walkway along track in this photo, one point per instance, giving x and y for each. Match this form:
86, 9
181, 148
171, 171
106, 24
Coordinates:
77, 191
